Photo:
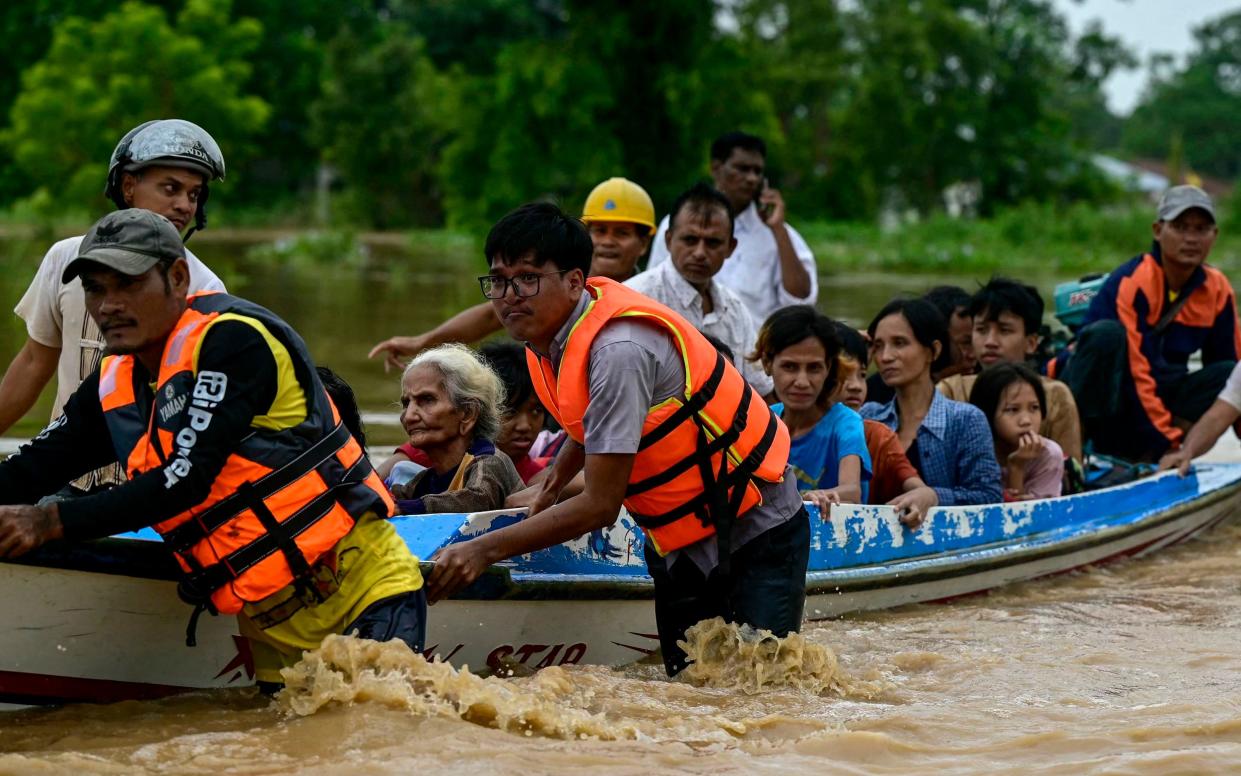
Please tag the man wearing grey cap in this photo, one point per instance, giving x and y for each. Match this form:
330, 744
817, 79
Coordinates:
1130, 368
232, 451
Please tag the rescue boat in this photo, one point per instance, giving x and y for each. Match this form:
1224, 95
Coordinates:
100, 621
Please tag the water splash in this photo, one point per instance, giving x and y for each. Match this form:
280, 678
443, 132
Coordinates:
346, 670
739, 657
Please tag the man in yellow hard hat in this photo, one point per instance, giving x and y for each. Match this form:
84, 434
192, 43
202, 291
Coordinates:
620, 217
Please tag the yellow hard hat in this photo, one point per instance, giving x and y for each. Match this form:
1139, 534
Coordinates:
620, 199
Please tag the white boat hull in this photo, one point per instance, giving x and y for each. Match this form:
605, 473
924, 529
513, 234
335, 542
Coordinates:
76, 634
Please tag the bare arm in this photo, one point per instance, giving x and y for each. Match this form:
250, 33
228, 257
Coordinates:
469, 325
546, 490
30, 370
385, 468
793, 276
607, 477
848, 488
1202, 437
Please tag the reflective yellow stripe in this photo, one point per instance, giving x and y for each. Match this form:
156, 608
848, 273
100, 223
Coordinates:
289, 407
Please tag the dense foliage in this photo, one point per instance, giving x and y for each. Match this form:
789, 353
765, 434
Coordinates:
431, 112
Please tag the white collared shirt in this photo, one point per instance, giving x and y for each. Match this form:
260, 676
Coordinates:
753, 271
729, 321
55, 315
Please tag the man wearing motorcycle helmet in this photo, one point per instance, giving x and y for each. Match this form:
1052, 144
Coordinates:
164, 166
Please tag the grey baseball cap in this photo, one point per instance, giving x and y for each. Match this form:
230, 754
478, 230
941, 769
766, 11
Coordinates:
129, 241
1178, 199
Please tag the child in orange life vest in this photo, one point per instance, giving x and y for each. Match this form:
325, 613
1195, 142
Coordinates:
799, 348
1011, 395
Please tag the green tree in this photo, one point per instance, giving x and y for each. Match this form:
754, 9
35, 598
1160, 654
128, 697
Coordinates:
100, 78
637, 90
470, 33
1201, 102
1095, 57
956, 90
296, 36
26, 31
381, 125
796, 55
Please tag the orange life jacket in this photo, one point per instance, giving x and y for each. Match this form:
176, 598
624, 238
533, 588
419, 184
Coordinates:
283, 498
702, 452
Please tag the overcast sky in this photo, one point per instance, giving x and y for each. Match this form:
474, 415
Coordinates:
1147, 26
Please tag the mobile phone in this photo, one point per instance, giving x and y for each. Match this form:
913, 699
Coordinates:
764, 209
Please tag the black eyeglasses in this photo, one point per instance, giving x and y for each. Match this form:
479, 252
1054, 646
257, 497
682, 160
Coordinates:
524, 285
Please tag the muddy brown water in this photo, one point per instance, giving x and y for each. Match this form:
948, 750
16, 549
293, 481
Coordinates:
1132, 668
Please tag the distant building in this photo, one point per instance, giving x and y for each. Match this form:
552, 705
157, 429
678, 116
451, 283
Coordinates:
1151, 177
1130, 176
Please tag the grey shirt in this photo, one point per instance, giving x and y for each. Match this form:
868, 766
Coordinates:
633, 366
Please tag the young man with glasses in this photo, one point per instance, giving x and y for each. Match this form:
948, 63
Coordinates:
1129, 370
772, 266
632, 383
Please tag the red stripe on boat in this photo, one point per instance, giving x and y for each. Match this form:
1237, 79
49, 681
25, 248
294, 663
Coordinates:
19, 687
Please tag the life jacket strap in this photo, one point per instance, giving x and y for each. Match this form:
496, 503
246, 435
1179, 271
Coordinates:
191, 628
202, 583
194, 530
692, 407
704, 448
736, 479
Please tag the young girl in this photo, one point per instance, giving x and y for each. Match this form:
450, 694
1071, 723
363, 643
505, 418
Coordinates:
798, 347
1011, 396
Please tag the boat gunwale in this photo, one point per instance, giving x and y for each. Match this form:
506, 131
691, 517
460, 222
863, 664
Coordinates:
503, 583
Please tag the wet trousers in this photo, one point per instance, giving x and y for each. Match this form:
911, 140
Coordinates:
1112, 415
765, 589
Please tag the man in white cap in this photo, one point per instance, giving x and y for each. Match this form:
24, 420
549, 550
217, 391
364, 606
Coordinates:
1130, 368
163, 166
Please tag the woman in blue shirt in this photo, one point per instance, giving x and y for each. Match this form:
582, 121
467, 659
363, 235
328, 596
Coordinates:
948, 442
799, 348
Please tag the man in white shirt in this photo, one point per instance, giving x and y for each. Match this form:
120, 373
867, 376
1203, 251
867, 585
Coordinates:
699, 239
163, 166
771, 267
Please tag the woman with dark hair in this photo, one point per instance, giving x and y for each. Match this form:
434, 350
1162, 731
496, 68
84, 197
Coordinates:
799, 348
895, 482
1011, 395
948, 442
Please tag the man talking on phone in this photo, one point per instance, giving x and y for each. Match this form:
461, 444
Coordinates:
771, 267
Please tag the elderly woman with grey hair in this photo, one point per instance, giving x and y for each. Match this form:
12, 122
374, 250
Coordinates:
450, 406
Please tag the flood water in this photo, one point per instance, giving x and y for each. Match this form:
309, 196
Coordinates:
1131, 668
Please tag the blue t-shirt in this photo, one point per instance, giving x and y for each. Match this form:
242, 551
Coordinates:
815, 456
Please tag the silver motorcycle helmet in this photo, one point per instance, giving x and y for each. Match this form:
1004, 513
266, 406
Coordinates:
171, 143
